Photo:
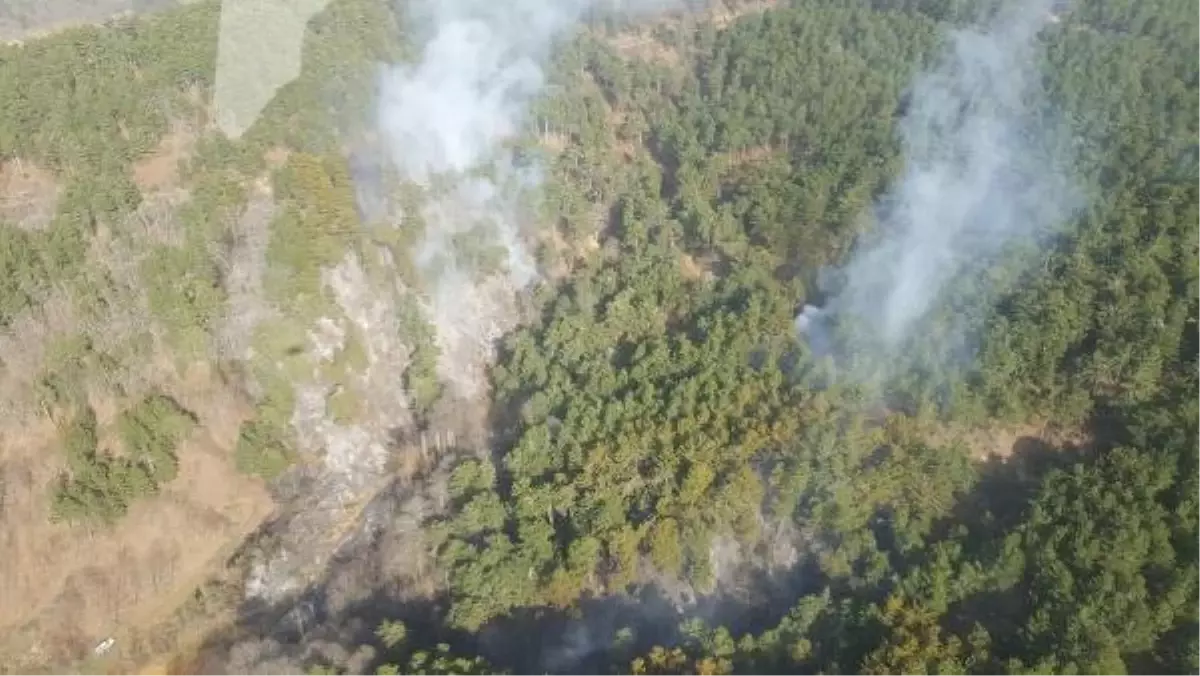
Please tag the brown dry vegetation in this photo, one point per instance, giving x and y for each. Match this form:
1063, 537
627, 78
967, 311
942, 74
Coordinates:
1003, 441
555, 142
641, 43
724, 13
693, 269
159, 170
277, 157
28, 195
24, 344
644, 46
66, 588
745, 157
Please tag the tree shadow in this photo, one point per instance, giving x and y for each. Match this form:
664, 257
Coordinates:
317, 627
1007, 484
994, 508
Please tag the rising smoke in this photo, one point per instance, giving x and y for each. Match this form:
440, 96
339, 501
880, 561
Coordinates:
449, 120
980, 177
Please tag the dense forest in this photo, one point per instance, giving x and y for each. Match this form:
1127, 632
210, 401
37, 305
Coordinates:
657, 425
661, 405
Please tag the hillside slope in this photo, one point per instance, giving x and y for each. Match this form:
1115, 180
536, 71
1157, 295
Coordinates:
554, 359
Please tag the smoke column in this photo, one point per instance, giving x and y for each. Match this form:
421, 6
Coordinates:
979, 177
449, 120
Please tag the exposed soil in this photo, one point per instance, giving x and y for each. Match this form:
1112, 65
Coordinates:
725, 13
645, 47
642, 44
28, 195
1001, 442
159, 170
277, 157
693, 269
746, 157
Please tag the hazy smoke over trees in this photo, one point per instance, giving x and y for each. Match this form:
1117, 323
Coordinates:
452, 115
980, 175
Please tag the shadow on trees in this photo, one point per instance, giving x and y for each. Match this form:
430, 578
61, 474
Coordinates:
1008, 484
599, 635
997, 505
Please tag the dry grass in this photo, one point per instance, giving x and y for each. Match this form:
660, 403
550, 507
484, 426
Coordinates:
23, 344
695, 270
159, 170
643, 46
555, 142
1002, 441
727, 11
277, 157
745, 157
28, 195
66, 588
640, 42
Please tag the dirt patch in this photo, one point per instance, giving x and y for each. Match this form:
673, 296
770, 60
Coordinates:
562, 256
643, 46
623, 142
746, 157
160, 169
68, 588
28, 195
1003, 441
725, 13
554, 141
277, 157
693, 269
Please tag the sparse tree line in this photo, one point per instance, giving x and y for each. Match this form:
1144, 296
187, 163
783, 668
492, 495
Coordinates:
86, 105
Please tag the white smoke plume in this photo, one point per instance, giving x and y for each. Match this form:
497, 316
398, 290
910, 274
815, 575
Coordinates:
980, 176
450, 120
